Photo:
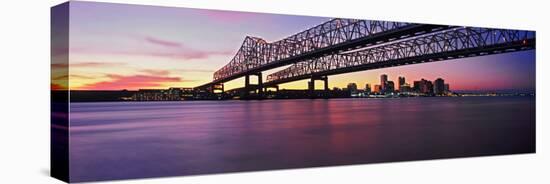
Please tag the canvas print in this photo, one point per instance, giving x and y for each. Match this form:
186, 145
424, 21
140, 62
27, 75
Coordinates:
148, 91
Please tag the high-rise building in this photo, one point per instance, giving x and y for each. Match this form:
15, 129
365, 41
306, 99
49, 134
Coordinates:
376, 89
352, 87
416, 86
447, 89
439, 86
390, 87
428, 87
383, 82
423, 86
367, 88
401, 82
405, 88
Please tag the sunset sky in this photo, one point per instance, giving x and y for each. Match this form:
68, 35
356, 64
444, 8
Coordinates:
115, 47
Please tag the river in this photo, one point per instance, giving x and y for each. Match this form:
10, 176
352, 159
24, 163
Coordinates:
119, 140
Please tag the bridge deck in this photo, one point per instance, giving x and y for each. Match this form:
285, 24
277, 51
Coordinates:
495, 49
404, 32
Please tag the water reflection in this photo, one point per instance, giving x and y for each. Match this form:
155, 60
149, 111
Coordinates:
133, 140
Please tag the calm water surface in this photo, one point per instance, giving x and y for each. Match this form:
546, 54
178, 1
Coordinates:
118, 140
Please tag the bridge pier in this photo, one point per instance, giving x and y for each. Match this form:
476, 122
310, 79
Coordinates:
311, 84
267, 92
260, 86
257, 88
276, 88
246, 91
217, 87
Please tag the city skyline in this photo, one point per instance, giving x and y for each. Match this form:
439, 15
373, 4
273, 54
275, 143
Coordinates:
172, 53
422, 85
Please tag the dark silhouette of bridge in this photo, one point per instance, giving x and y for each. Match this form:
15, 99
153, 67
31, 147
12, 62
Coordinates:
349, 45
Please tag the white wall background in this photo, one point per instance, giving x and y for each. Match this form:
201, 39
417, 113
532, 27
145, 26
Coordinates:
24, 91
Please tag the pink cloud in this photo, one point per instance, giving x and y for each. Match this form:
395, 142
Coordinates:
180, 51
195, 70
168, 49
156, 72
81, 76
133, 82
161, 42
187, 54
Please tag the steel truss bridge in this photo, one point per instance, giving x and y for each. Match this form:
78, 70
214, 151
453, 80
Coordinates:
349, 45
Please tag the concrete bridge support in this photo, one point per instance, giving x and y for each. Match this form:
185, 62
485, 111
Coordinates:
217, 87
276, 87
256, 88
311, 84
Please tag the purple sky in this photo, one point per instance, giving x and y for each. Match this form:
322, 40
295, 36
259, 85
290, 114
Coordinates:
117, 46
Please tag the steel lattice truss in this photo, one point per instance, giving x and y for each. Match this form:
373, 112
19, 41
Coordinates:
457, 42
256, 52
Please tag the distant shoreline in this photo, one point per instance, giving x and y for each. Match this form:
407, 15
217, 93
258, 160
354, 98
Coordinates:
404, 97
